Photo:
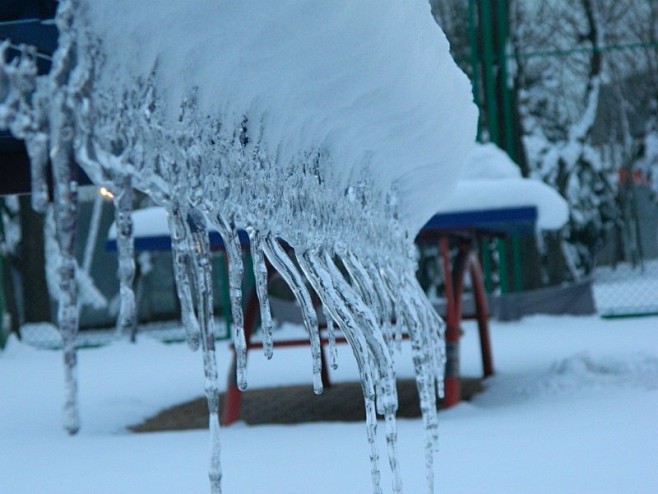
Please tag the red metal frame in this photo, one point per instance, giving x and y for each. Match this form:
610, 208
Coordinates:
465, 260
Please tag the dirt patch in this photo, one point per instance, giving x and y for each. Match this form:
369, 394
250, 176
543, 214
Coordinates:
341, 402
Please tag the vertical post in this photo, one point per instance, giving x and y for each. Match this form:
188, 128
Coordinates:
482, 314
485, 251
516, 263
502, 28
486, 30
503, 270
475, 62
452, 386
222, 273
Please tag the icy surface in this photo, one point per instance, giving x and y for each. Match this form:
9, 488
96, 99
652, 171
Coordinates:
328, 131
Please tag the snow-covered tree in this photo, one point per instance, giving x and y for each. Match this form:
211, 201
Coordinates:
585, 80
582, 78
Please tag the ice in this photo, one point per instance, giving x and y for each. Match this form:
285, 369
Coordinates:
331, 336
359, 325
201, 274
181, 253
92, 236
37, 148
123, 204
23, 113
229, 233
328, 131
260, 280
289, 272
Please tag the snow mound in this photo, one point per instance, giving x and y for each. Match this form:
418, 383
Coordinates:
41, 335
489, 162
582, 372
577, 376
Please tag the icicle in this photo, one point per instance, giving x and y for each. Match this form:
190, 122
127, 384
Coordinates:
92, 236
386, 301
202, 277
359, 326
392, 294
392, 450
331, 335
260, 279
387, 398
362, 283
422, 366
323, 285
179, 248
376, 297
229, 234
123, 203
254, 161
66, 200
66, 223
37, 149
435, 331
368, 324
289, 272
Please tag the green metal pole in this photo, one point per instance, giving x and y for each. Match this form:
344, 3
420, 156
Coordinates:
516, 263
503, 276
502, 31
486, 30
486, 264
222, 273
475, 63
249, 280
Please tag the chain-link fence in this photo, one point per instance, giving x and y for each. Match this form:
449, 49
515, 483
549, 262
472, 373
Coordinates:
626, 278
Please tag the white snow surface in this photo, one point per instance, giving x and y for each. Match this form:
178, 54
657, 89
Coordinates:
489, 162
147, 222
371, 83
491, 180
572, 409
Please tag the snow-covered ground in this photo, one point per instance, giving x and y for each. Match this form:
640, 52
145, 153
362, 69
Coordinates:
572, 409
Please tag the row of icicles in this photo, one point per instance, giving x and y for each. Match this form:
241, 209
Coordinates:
373, 299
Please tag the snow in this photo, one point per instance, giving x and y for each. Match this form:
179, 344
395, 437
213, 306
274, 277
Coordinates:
572, 410
369, 83
489, 162
491, 180
477, 195
147, 222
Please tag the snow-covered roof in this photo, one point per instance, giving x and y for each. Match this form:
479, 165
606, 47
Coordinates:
491, 180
